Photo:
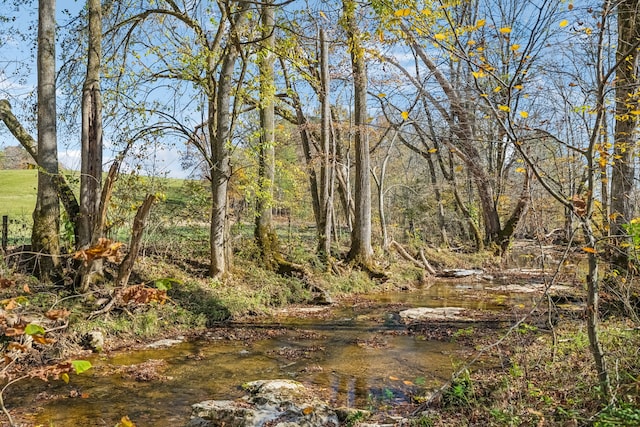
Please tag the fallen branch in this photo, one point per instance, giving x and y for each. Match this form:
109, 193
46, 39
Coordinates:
423, 263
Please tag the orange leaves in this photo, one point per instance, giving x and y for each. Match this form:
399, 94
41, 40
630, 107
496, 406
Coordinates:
57, 314
141, 294
579, 205
105, 249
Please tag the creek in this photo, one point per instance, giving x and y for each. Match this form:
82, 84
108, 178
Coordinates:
358, 355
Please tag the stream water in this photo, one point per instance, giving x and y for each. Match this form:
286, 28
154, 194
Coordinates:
357, 355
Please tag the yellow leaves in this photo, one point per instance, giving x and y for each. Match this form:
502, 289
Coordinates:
520, 170
382, 95
401, 13
505, 30
602, 162
405, 115
563, 23
440, 36
125, 422
478, 74
514, 47
635, 112
518, 87
393, 378
481, 23
433, 150
497, 89
524, 114
504, 108
589, 250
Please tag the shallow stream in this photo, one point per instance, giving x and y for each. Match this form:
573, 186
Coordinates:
358, 356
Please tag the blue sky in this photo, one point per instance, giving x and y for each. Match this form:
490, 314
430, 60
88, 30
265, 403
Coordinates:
18, 85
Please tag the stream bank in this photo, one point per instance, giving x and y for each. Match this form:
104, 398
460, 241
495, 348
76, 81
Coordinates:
360, 353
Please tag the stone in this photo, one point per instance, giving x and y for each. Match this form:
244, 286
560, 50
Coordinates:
277, 403
438, 313
168, 342
94, 341
459, 273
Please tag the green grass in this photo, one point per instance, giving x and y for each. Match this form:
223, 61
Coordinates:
18, 193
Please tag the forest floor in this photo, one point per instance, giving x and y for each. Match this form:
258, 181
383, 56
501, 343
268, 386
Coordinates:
538, 371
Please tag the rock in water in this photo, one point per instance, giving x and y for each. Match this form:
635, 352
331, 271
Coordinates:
278, 403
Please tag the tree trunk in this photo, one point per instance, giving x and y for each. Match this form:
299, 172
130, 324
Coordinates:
221, 169
264, 234
361, 249
593, 310
219, 125
625, 133
46, 216
326, 174
91, 137
139, 224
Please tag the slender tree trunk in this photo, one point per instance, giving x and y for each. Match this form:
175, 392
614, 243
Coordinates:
626, 126
264, 234
326, 174
593, 284
361, 249
46, 216
221, 170
91, 137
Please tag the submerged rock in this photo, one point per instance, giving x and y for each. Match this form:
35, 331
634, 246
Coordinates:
438, 313
459, 273
277, 403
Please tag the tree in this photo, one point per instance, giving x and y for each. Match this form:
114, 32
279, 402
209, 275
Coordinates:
627, 90
264, 233
91, 136
203, 67
46, 216
361, 249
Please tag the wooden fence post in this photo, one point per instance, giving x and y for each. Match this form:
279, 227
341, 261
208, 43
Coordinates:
5, 232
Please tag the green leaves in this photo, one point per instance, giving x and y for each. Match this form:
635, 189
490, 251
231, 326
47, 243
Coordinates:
32, 329
81, 366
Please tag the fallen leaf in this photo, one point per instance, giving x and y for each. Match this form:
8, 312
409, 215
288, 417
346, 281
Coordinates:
57, 314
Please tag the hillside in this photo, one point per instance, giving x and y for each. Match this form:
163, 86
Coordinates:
18, 192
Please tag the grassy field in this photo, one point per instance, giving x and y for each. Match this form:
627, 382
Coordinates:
18, 192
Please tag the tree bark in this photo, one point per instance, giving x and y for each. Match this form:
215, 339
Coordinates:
326, 173
219, 125
361, 249
264, 233
91, 136
46, 216
626, 128
139, 224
